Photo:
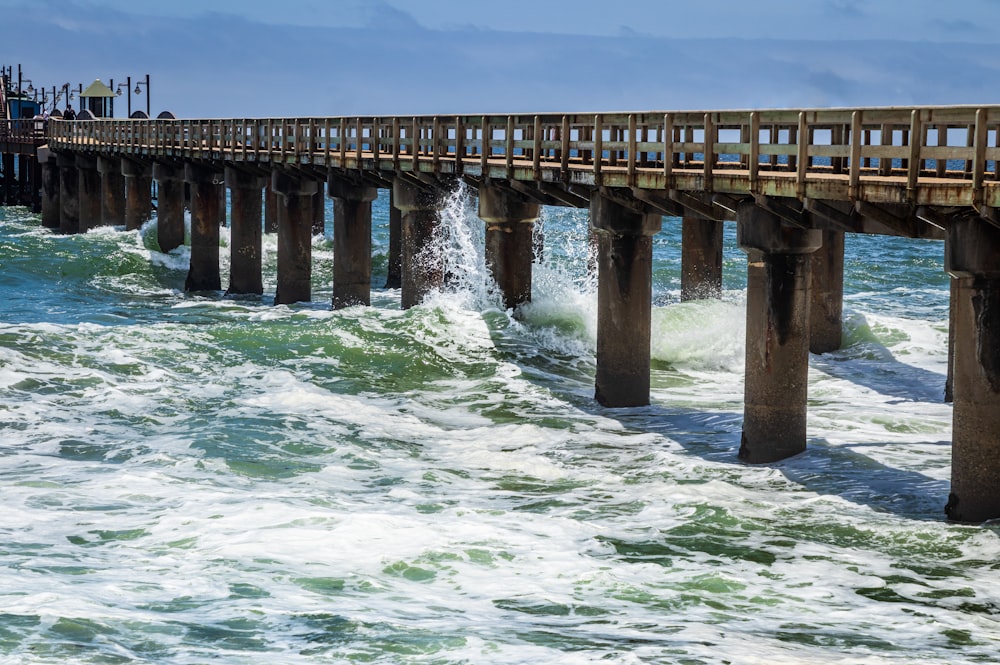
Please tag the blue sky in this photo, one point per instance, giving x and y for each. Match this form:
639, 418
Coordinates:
228, 58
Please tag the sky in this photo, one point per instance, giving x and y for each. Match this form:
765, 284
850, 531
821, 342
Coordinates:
257, 58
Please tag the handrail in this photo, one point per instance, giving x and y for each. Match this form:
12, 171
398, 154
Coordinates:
913, 144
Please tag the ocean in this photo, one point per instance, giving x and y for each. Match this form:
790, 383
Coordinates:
200, 479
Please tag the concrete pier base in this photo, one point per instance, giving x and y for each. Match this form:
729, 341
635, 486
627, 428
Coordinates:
170, 206
246, 208
777, 336
138, 193
422, 272
89, 192
972, 256
509, 249
112, 191
50, 190
352, 242
394, 276
295, 223
826, 304
203, 275
624, 301
701, 259
69, 199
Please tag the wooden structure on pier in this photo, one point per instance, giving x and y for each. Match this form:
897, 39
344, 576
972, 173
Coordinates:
794, 180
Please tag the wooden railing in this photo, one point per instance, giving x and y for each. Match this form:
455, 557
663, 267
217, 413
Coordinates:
25, 131
715, 151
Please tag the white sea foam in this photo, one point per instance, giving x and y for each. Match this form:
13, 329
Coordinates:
231, 481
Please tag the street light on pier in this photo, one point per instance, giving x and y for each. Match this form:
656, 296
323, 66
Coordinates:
139, 85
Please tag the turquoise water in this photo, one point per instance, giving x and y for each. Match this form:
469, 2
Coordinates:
192, 479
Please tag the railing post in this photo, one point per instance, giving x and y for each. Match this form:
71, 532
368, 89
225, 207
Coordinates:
631, 150
708, 152
854, 181
916, 142
598, 148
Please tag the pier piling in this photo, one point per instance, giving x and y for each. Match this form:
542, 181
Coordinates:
50, 189
826, 305
509, 250
701, 258
169, 205
203, 275
138, 193
972, 257
112, 191
89, 192
69, 185
295, 224
777, 334
246, 207
422, 270
352, 241
624, 300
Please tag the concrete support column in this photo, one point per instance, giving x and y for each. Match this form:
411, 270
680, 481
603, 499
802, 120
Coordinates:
23, 180
245, 233
35, 181
352, 242
170, 206
422, 272
777, 338
972, 256
826, 306
89, 191
69, 195
7, 196
701, 259
50, 189
295, 217
203, 274
394, 278
270, 209
509, 250
319, 210
624, 301
112, 191
138, 193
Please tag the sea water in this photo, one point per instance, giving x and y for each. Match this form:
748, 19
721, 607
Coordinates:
190, 478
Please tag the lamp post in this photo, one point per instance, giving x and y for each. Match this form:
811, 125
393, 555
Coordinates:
139, 85
128, 97
138, 90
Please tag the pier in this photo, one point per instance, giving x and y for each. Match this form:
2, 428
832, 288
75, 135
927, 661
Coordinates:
794, 181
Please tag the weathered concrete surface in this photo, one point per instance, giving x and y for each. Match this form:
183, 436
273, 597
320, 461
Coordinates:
112, 191
89, 192
203, 275
509, 248
352, 242
826, 311
972, 256
422, 270
138, 193
777, 334
295, 223
701, 259
246, 209
624, 301
170, 205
